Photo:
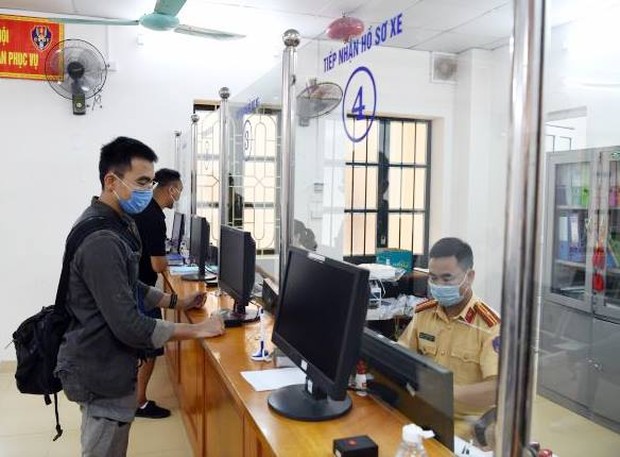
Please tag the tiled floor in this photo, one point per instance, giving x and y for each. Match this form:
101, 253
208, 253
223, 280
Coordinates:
27, 425
569, 434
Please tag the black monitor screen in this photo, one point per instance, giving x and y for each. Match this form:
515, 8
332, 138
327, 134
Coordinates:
318, 297
198, 246
236, 270
176, 237
319, 322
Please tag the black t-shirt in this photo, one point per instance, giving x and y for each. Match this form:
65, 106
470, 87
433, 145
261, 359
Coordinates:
152, 227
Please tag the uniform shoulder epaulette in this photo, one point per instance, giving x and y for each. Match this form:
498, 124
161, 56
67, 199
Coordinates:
426, 305
488, 315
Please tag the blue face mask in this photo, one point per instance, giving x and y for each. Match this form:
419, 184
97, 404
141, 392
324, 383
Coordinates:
447, 296
139, 200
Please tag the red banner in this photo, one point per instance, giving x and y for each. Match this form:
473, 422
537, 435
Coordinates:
24, 45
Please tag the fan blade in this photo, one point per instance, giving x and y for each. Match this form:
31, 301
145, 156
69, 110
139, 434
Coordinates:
207, 33
77, 20
169, 7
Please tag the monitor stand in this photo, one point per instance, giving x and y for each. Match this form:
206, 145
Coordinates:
202, 275
296, 403
234, 318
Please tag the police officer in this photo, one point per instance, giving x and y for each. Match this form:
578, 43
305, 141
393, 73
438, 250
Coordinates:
457, 330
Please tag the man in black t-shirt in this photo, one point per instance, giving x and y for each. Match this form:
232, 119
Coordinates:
152, 227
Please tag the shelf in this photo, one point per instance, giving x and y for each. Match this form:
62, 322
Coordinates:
568, 263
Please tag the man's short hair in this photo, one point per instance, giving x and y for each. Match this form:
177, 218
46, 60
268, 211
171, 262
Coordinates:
165, 176
116, 156
454, 247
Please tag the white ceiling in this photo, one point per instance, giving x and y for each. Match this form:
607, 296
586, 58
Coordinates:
430, 25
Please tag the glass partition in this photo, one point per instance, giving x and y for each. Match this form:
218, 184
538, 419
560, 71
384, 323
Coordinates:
401, 141
254, 177
577, 402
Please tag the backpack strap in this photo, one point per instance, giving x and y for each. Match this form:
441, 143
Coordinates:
58, 427
78, 234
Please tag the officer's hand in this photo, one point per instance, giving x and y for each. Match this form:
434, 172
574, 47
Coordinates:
211, 326
194, 300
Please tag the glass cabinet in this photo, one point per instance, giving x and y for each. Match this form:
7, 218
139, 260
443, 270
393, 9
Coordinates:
580, 316
569, 218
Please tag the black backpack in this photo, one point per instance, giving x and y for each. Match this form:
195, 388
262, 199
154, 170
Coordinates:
38, 338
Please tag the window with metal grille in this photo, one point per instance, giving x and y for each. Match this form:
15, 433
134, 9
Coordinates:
254, 180
253, 174
387, 183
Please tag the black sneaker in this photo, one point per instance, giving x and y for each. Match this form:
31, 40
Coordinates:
152, 411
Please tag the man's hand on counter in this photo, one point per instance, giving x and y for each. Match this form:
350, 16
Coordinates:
211, 326
193, 301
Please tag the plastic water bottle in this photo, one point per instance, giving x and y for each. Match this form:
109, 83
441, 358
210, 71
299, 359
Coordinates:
411, 445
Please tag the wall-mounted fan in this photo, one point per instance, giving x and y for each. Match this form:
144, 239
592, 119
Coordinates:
164, 17
317, 99
76, 70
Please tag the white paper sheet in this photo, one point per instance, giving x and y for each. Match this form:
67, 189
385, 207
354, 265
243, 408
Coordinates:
275, 378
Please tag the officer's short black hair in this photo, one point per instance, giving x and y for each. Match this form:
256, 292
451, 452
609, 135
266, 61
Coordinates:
165, 176
116, 156
454, 247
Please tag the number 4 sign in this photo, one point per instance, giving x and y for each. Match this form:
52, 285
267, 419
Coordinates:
359, 93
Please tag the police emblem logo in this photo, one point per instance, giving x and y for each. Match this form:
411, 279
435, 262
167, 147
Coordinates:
41, 37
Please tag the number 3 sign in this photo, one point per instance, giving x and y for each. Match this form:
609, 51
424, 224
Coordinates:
360, 94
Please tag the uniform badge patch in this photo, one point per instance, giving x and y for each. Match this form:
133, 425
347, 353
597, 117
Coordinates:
427, 337
495, 343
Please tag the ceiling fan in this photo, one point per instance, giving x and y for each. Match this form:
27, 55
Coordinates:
163, 18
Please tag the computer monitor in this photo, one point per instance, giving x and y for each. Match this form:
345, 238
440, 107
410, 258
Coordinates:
398, 370
319, 322
236, 273
198, 245
178, 224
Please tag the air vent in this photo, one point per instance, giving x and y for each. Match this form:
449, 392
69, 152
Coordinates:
443, 67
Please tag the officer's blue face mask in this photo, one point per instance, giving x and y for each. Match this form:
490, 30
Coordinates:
448, 295
137, 202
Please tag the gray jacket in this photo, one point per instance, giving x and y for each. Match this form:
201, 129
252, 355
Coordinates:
99, 354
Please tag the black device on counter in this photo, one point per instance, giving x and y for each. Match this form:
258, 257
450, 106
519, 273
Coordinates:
319, 322
355, 446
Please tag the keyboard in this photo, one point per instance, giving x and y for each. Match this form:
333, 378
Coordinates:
175, 260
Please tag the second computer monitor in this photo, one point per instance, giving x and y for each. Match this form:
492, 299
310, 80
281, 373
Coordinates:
178, 223
236, 273
319, 322
198, 245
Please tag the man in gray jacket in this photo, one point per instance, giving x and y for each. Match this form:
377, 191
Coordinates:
98, 359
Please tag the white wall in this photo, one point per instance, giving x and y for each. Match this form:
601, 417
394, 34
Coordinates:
49, 156
583, 71
478, 198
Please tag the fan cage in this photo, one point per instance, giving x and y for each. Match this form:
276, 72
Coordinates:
84, 53
318, 99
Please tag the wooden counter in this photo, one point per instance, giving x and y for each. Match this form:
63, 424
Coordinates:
224, 416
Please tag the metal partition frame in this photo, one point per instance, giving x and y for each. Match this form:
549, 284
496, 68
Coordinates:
519, 306
291, 39
194, 164
224, 95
